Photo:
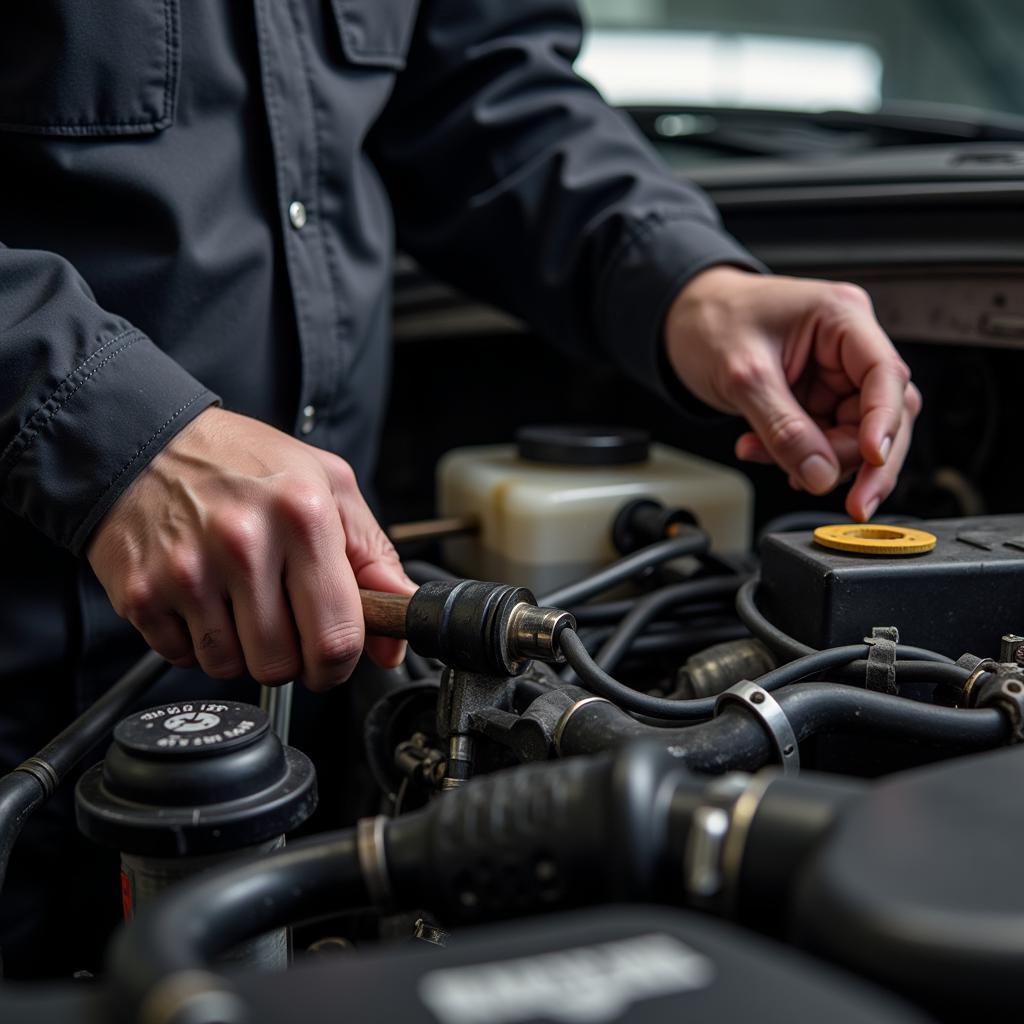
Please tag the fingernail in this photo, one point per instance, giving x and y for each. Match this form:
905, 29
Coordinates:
885, 447
817, 474
870, 508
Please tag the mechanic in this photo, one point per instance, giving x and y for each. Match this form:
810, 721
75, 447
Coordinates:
197, 205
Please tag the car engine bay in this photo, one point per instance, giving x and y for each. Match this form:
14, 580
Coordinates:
671, 772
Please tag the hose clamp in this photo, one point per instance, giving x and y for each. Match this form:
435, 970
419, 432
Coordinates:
567, 714
373, 860
761, 703
717, 838
982, 668
43, 772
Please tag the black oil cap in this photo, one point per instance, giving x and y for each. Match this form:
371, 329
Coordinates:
196, 777
583, 445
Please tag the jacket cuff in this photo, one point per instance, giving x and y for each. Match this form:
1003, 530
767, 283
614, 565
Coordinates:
96, 431
662, 253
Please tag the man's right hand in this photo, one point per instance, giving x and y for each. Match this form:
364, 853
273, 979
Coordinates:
241, 547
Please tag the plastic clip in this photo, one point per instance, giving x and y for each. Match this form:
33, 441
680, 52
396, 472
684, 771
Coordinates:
880, 674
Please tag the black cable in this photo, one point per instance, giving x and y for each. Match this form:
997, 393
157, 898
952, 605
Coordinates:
606, 613
596, 680
32, 784
690, 543
787, 647
208, 914
648, 608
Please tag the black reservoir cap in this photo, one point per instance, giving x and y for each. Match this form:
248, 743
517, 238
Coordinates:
583, 445
195, 777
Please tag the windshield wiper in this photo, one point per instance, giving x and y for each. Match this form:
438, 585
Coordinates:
788, 133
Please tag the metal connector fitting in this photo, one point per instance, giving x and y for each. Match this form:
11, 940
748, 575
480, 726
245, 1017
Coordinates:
533, 632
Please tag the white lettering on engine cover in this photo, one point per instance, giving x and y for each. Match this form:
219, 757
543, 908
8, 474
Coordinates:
584, 985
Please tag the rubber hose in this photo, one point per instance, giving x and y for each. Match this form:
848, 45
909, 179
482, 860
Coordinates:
626, 568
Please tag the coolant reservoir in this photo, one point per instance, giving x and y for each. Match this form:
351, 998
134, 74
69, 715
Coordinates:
546, 505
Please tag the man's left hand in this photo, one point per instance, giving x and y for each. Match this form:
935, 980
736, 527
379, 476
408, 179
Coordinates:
808, 366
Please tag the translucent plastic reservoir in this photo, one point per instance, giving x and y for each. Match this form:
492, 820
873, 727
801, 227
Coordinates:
543, 524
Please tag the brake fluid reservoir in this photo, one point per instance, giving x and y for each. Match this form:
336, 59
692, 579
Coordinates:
546, 505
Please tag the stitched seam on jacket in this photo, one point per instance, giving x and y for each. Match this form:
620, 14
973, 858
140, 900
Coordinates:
138, 454
91, 127
59, 397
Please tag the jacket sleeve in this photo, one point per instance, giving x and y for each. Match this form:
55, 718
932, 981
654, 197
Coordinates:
512, 178
86, 400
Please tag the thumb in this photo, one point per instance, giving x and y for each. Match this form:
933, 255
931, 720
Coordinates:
374, 561
792, 438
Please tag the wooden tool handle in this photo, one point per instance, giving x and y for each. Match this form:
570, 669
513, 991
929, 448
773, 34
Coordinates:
384, 614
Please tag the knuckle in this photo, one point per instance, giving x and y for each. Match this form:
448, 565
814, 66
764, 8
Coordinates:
137, 599
914, 400
344, 475
899, 369
185, 572
303, 508
846, 294
744, 374
226, 668
278, 667
785, 433
241, 534
339, 646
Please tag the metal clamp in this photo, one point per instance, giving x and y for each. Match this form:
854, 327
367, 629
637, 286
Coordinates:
717, 839
767, 709
373, 859
43, 772
567, 714
982, 668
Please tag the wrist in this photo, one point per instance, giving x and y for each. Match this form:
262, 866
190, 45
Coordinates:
709, 293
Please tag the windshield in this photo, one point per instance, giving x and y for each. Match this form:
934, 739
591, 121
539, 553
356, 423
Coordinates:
948, 58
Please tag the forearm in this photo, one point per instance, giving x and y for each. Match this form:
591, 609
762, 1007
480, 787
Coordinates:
513, 178
86, 400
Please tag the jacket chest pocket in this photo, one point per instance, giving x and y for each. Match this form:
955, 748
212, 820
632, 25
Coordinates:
376, 33
88, 67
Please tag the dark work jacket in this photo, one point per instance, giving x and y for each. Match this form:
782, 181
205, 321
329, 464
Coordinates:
154, 260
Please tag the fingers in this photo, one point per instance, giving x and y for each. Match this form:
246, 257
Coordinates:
789, 435
874, 483
168, 635
881, 377
374, 561
324, 595
183, 622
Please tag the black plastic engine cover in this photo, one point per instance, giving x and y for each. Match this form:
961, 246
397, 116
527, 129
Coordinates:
919, 886
614, 964
960, 597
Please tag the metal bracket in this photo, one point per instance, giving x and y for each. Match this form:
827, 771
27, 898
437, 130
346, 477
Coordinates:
880, 674
761, 703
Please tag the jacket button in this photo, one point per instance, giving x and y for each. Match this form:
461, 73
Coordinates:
308, 420
297, 214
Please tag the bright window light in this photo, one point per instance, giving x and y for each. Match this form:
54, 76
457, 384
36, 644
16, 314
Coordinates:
717, 69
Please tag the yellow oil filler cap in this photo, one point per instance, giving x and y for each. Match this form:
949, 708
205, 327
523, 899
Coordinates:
884, 541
